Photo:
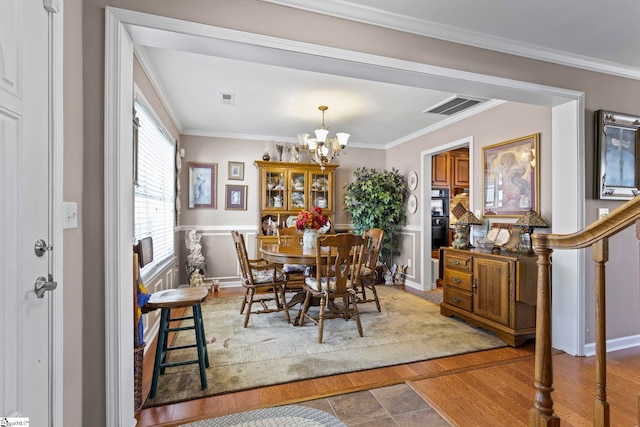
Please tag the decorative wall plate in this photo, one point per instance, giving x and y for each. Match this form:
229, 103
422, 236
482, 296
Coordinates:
412, 180
412, 204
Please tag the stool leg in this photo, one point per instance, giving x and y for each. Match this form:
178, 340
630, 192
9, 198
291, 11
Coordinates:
200, 344
204, 338
165, 344
160, 350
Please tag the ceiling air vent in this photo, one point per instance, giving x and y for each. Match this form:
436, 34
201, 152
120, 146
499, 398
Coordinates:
227, 98
454, 105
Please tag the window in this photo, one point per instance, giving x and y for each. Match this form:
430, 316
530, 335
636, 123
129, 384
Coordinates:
154, 213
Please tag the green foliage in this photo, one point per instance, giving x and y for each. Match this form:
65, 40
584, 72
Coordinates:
376, 199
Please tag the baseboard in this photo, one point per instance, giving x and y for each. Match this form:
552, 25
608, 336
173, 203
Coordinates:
416, 286
614, 344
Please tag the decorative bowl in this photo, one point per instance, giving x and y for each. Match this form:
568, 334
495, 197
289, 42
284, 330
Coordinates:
486, 245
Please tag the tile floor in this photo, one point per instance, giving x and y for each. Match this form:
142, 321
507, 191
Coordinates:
396, 405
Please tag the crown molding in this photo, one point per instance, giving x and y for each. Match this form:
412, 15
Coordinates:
141, 53
408, 24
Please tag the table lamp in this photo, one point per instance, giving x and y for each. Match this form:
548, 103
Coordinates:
528, 222
461, 238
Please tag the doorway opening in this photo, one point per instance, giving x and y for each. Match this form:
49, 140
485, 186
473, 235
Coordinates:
567, 134
429, 266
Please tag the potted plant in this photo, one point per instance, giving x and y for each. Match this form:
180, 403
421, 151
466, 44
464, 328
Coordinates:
376, 199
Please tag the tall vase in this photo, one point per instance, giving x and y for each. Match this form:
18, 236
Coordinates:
309, 239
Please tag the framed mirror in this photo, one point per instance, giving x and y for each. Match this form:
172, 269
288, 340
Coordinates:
616, 156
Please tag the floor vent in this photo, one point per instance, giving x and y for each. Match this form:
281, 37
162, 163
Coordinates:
454, 105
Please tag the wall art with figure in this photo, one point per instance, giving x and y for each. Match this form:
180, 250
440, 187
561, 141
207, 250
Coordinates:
511, 177
202, 185
236, 197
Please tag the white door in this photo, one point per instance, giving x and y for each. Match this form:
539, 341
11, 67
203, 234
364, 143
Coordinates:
25, 176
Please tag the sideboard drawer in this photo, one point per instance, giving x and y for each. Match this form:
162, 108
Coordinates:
458, 298
458, 279
459, 262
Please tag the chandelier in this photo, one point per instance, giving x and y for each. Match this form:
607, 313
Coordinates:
323, 150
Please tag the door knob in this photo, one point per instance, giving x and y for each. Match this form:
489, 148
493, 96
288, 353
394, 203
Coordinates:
43, 284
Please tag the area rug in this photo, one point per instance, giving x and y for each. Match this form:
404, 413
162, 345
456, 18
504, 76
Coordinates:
435, 296
270, 351
298, 416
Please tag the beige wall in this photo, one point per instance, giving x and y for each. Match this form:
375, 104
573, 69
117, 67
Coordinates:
84, 261
72, 284
214, 224
502, 123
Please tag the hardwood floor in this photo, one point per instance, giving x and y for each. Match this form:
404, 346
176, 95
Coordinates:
489, 388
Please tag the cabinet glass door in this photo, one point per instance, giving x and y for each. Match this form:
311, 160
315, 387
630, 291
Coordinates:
274, 189
320, 194
298, 190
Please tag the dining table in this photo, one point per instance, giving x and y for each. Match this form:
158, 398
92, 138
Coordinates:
290, 251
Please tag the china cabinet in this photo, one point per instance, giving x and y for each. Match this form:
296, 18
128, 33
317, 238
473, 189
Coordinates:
494, 291
287, 188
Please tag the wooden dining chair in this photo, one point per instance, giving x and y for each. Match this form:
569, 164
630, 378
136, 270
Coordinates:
338, 263
368, 273
293, 273
264, 282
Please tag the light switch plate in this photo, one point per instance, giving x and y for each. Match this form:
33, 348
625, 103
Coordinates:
603, 212
70, 215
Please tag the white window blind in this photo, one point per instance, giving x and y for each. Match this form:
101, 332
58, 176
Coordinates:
154, 194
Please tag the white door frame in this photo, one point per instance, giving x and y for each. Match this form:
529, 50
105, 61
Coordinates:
118, 90
425, 211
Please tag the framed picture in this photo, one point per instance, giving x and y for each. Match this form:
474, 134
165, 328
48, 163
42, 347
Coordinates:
616, 156
202, 185
236, 197
511, 179
236, 171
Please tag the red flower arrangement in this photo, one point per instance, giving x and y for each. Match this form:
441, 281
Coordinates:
313, 220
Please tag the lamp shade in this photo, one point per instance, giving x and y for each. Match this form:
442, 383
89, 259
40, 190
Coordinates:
302, 139
531, 220
342, 138
468, 218
321, 135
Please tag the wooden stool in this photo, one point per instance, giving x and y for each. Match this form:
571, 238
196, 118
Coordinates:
179, 298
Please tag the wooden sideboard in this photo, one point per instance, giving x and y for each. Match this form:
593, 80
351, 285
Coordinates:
494, 291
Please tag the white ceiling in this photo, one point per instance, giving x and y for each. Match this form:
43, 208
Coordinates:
274, 102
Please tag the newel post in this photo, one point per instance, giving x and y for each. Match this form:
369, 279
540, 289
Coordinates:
542, 414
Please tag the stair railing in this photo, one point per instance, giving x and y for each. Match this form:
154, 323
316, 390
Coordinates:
597, 236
